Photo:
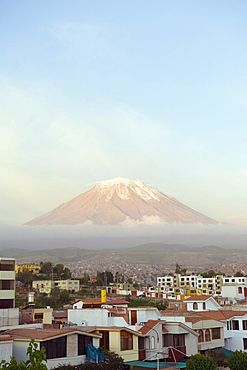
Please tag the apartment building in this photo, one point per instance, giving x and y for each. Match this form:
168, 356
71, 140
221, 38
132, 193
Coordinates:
45, 286
7, 282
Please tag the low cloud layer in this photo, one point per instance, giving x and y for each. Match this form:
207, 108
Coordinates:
131, 234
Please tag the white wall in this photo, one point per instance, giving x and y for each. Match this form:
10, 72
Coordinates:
231, 291
91, 317
9, 316
6, 350
143, 315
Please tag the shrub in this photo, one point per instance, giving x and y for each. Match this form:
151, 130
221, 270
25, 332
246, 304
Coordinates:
200, 362
237, 361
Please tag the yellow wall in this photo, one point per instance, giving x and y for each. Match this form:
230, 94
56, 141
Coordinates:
27, 266
129, 355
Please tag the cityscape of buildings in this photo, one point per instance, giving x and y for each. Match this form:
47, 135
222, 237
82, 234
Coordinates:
202, 314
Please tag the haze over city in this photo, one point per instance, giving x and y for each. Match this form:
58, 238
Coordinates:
154, 91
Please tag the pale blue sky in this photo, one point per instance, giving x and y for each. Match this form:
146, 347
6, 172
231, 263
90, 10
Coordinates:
148, 90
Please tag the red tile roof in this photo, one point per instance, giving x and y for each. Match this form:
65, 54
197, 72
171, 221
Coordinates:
149, 326
60, 314
198, 298
222, 314
4, 338
39, 334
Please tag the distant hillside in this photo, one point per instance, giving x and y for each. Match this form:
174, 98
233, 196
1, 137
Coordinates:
54, 255
195, 259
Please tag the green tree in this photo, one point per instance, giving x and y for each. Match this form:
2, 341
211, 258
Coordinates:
179, 270
66, 274
64, 296
85, 279
26, 277
237, 361
58, 270
208, 274
200, 362
37, 357
55, 296
238, 274
46, 268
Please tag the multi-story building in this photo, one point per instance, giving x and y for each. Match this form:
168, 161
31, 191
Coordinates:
32, 267
165, 281
196, 284
7, 282
45, 286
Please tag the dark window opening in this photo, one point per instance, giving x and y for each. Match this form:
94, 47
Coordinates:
7, 265
55, 348
82, 341
216, 333
6, 284
174, 340
126, 340
235, 325
6, 303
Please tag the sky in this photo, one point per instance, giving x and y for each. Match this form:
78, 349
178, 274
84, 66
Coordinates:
147, 90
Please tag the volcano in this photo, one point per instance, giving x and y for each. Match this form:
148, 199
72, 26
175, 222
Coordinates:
121, 200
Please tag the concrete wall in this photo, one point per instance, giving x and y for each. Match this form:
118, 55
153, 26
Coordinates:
191, 344
20, 349
145, 315
114, 343
92, 317
9, 316
6, 350
72, 345
231, 291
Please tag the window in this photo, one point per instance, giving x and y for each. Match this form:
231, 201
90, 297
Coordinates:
152, 343
104, 341
174, 340
244, 324
245, 343
126, 340
6, 284
207, 335
38, 316
226, 280
55, 348
195, 306
6, 303
201, 336
235, 325
216, 333
204, 305
82, 341
7, 265
240, 290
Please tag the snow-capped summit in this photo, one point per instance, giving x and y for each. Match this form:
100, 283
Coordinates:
120, 199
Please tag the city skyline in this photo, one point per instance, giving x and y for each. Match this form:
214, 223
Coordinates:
91, 91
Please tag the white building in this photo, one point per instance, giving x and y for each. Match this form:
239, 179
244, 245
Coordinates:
202, 303
234, 292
